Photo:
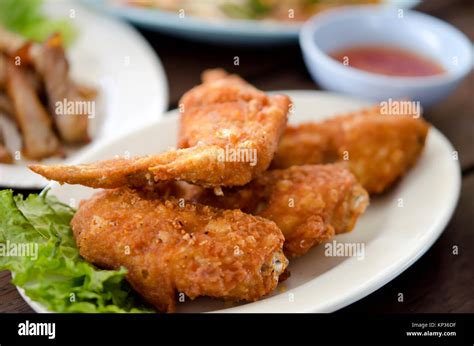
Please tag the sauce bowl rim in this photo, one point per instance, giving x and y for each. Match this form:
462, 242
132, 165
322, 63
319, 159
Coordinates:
311, 49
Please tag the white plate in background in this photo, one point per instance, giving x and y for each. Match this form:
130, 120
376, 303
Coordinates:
113, 57
214, 30
394, 237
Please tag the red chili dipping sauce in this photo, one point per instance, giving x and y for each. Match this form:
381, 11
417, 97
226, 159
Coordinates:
389, 61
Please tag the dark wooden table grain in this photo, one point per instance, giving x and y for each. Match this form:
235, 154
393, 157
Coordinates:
440, 281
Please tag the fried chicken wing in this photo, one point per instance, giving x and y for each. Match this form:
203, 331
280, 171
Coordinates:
379, 149
228, 135
308, 203
191, 249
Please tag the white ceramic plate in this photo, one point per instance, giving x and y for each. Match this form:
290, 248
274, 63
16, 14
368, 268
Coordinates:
394, 237
214, 30
111, 56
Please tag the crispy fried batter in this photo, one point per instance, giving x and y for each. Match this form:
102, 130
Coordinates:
222, 118
309, 203
196, 250
379, 148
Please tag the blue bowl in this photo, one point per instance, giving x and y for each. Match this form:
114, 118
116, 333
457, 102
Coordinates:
371, 25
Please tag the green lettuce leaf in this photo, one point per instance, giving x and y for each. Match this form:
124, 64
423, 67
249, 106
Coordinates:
50, 269
25, 17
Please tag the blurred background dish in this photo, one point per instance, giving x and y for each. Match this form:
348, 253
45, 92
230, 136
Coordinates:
250, 22
408, 43
127, 75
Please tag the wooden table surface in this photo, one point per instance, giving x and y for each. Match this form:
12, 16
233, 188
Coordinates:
439, 281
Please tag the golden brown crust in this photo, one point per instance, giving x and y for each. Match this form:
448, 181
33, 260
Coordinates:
379, 148
229, 134
309, 203
231, 129
105, 174
169, 248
